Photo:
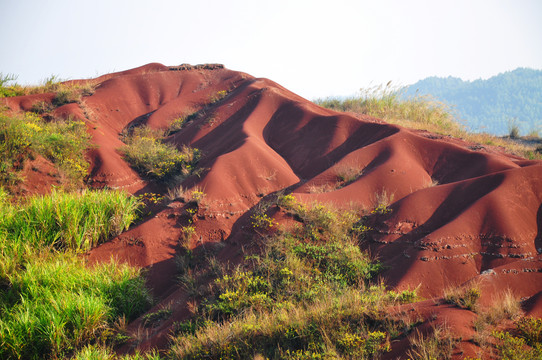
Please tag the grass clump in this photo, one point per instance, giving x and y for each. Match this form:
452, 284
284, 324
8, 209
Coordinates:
43, 315
7, 90
64, 142
303, 296
506, 307
51, 303
101, 352
464, 297
77, 221
151, 157
437, 345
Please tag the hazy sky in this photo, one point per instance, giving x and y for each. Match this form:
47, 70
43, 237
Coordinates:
314, 48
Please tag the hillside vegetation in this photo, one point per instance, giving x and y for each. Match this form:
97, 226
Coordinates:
494, 105
286, 272
426, 113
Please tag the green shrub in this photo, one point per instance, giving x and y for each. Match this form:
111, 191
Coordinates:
147, 154
64, 142
67, 95
180, 122
530, 329
510, 347
154, 318
9, 90
464, 297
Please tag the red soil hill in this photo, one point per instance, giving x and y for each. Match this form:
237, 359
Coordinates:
458, 215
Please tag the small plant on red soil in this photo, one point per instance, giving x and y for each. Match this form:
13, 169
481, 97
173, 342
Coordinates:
464, 297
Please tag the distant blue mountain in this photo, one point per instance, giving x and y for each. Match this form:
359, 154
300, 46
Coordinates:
491, 105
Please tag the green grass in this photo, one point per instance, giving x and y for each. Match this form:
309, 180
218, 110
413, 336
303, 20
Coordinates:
421, 112
308, 294
65, 92
77, 221
51, 303
64, 142
151, 157
388, 104
9, 90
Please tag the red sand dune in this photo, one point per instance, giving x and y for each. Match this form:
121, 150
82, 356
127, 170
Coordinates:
458, 215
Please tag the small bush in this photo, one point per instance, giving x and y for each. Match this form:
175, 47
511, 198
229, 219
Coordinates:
146, 153
9, 90
261, 222
348, 174
188, 233
513, 129
465, 297
530, 329
66, 96
510, 347
64, 142
42, 107
180, 122
177, 193
506, 306
219, 95
197, 195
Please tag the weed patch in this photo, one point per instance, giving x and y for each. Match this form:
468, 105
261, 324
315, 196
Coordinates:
64, 142
151, 157
464, 297
302, 296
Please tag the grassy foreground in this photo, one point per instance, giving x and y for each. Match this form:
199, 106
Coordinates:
51, 304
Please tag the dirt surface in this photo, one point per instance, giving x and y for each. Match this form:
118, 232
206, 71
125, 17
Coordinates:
460, 213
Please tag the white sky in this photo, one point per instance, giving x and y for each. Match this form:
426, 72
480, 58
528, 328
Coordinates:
314, 48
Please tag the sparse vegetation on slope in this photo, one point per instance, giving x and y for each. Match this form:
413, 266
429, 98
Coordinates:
420, 112
151, 157
386, 103
307, 295
65, 92
64, 142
